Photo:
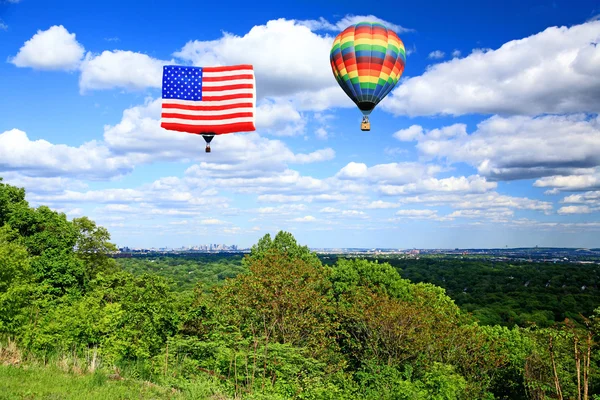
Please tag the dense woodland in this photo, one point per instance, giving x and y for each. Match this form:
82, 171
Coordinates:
281, 323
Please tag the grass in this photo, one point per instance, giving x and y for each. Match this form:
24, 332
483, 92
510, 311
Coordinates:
67, 378
32, 382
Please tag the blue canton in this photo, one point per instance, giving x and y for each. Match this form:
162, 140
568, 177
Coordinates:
183, 83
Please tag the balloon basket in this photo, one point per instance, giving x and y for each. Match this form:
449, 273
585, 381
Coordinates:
207, 149
365, 125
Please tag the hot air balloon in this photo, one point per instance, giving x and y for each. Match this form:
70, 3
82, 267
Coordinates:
367, 60
208, 101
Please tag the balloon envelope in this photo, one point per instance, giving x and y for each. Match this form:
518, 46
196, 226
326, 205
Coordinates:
367, 60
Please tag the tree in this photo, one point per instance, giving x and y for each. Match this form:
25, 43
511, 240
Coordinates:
284, 244
93, 247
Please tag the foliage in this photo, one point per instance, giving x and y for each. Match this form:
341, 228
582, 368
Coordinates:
280, 324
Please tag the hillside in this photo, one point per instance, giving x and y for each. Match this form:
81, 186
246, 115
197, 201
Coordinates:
282, 325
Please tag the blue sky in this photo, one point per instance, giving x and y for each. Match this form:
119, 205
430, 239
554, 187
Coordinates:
490, 139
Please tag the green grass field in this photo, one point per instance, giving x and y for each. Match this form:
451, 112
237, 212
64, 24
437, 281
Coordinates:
50, 383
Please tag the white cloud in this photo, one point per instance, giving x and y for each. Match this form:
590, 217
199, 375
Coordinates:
39, 158
393, 173
238, 154
343, 213
584, 181
574, 210
308, 218
591, 198
554, 71
479, 201
124, 69
379, 204
280, 118
323, 24
456, 53
52, 49
497, 215
471, 184
281, 210
287, 56
42, 184
416, 132
517, 147
3, 26
321, 133
437, 54
212, 221
416, 213
285, 198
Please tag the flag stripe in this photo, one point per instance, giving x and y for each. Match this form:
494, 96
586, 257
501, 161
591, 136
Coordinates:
206, 117
225, 88
229, 68
206, 122
211, 79
233, 104
220, 84
226, 73
219, 130
247, 94
208, 112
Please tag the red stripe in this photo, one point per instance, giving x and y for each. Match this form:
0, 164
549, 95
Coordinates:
225, 78
207, 117
227, 87
216, 129
228, 97
207, 108
228, 68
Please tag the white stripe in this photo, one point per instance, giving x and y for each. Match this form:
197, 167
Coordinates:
206, 122
215, 112
231, 82
228, 92
208, 103
226, 73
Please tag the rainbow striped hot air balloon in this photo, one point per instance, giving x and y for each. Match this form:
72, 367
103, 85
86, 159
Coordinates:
367, 60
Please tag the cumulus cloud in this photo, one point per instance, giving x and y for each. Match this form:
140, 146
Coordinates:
416, 213
52, 49
287, 198
379, 204
456, 53
277, 48
393, 173
323, 24
478, 201
42, 184
41, 158
588, 180
120, 69
554, 71
332, 211
471, 184
280, 118
308, 218
574, 210
437, 54
246, 154
591, 198
517, 147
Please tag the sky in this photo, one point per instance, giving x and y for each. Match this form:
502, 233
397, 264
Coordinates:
490, 139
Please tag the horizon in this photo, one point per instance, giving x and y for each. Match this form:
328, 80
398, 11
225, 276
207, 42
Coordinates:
490, 140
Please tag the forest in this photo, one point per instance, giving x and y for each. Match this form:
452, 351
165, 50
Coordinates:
281, 322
